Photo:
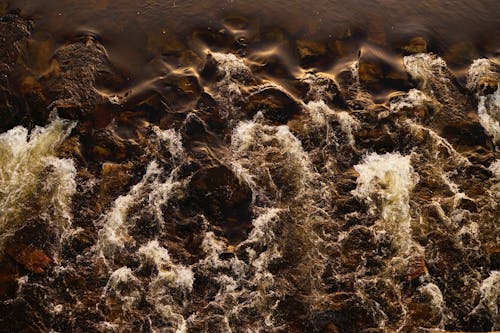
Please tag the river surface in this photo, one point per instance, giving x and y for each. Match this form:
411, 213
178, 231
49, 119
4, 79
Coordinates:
249, 166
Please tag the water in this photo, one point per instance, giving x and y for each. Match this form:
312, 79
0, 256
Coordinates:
181, 166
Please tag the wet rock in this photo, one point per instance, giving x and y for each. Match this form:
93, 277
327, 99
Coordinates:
467, 133
34, 95
9, 273
415, 105
417, 268
12, 108
14, 32
415, 45
353, 316
79, 241
379, 137
224, 198
114, 180
275, 104
211, 113
456, 109
32, 259
71, 148
215, 38
320, 86
179, 90
197, 135
379, 72
70, 84
106, 145
360, 241
310, 52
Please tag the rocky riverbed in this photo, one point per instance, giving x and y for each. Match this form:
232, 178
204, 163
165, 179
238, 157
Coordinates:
340, 186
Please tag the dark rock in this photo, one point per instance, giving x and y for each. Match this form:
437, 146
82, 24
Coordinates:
32, 259
224, 199
275, 104
378, 73
76, 66
415, 45
105, 145
310, 52
467, 133
210, 112
14, 33
360, 241
114, 181
318, 86
9, 273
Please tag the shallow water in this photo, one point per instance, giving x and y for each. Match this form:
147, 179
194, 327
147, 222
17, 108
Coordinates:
181, 166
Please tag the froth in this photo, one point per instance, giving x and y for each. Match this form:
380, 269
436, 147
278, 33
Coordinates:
31, 175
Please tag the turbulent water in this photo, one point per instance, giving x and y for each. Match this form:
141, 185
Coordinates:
244, 188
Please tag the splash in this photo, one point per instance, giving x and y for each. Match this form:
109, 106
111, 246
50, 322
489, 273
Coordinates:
490, 297
33, 178
152, 193
483, 77
425, 67
287, 167
489, 114
322, 116
385, 183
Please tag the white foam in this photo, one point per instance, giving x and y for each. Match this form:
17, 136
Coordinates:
123, 287
436, 298
32, 176
413, 99
152, 193
488, 105
251, 139
234, 73
174, 275
490, 297
489, 114
495, 168
479, 69
347, 124
385, 182
321, 116
426, 66
438, 144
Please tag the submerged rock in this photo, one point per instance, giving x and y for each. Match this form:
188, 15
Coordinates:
14, 33
378, 72
275, 104
71, 82
246, 194
415, 45
310, 52
224, 199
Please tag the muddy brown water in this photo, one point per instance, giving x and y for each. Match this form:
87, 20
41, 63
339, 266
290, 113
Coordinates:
132, 31
249, 166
